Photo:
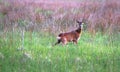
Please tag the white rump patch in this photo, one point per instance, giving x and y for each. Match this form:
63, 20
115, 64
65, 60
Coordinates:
58, 37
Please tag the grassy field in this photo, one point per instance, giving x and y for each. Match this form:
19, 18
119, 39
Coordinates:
28, 30
35, 53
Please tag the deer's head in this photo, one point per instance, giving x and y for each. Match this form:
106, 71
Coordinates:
80, 24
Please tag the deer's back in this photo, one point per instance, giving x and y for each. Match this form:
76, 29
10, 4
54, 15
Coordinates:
70, 36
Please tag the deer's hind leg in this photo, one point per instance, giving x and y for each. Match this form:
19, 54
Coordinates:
64, 41
59, 40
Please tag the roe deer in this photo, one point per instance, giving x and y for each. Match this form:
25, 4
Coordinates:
72, 36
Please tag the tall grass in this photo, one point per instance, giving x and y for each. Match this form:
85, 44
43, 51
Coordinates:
92, 54
55, 15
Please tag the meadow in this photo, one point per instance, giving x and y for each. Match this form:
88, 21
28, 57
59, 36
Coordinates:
28, 31
37, 54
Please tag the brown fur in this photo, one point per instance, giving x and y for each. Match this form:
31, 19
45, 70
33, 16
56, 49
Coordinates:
72, 36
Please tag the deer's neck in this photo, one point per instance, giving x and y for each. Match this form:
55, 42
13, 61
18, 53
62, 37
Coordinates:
79, 30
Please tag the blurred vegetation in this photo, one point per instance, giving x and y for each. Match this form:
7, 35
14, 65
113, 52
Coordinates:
102, 16
97, 53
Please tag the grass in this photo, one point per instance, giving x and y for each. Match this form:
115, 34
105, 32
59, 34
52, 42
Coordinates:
98, 53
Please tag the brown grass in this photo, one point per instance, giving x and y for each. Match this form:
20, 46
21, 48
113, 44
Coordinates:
56, 16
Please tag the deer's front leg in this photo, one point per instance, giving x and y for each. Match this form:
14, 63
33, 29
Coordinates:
75, 41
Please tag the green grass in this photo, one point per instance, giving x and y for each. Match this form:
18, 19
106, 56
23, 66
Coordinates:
99, 53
